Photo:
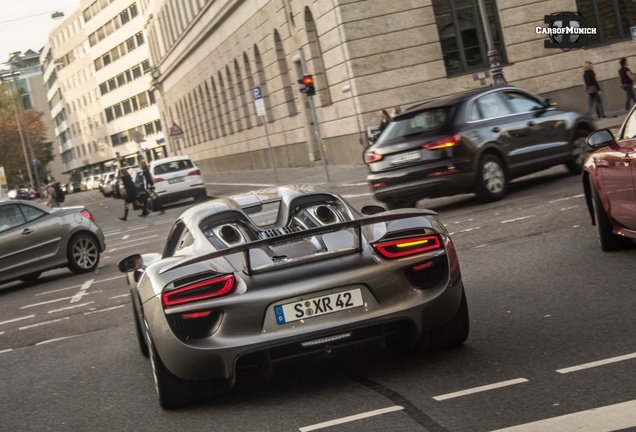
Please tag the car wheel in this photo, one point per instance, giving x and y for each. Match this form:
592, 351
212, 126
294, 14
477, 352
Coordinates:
83, 254
608, 240
580, 151
492, 179
30, 277
453, 333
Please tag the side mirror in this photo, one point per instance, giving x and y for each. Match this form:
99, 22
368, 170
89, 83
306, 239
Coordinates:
130, 263
600, 138
372, 209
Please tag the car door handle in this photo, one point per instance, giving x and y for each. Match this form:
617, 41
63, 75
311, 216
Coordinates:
27, 231
530, 123
496, 129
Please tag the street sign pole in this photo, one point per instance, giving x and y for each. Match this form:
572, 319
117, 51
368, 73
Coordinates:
257, 94
314, 119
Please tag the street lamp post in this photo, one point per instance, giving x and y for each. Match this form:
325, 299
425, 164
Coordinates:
496, 71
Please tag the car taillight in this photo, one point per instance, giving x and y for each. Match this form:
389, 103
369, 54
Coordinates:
372, 157
398, 248
195, 172
157, 180
443, 143
87, 215
202, 290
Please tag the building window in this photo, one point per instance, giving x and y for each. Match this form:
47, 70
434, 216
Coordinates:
462, 36
611, 18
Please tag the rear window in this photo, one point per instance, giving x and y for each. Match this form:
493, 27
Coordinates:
416, 123
174, 166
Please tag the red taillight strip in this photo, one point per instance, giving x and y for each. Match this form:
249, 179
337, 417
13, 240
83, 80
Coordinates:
87, 214
407, 246
373, 157
217, 287
443, 143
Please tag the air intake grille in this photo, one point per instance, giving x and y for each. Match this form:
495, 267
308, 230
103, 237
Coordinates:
277, 232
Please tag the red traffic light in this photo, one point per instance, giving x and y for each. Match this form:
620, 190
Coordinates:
308, 80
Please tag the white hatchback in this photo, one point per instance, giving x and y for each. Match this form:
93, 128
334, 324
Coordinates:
176, 178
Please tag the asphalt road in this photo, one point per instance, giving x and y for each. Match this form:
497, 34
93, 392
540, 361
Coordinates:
553, 336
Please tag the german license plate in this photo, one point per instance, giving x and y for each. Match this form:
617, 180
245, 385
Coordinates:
317, 306
405, 157
176, 180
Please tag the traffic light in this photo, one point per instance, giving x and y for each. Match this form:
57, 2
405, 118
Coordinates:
308, 89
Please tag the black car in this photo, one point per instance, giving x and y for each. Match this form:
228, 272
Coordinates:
473, 142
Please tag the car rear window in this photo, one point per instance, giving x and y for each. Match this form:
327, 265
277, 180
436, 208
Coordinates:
416, 123
174, 166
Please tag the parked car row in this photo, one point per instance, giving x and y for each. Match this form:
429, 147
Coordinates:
175, 178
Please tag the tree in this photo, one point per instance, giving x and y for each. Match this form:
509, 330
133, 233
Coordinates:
11, 149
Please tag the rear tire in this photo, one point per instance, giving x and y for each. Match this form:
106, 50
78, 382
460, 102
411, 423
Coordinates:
492, 179
83, 254
453, 333
608, 240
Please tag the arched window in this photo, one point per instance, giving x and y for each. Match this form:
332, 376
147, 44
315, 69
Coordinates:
241, 99
461, 34
283, 70
315, 62
261, 81
251, 85
226, 106
219, 111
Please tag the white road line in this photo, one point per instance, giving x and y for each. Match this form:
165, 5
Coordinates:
112, 233
353, 184
82, 291
597, 363
137, 228
242, 184
480, 389
608, 418
164, 222
517, 219
43, 323
104, 310
125, 237
356, 195
132, 241
127, 246
16, 319
70, 307
78, 286
119, 296
7, 350
350, 418
56, 339
565, 199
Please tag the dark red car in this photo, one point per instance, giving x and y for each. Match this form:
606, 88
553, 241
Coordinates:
609, 182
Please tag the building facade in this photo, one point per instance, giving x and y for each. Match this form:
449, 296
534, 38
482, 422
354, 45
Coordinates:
96, 66
365, 55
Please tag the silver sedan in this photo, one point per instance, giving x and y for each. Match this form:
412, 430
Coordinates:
35, 238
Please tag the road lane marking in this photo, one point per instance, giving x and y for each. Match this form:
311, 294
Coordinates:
125, 237
119, 296
597, 363
70, 307
242, 184
608, 418
16, 319
77, 286
352, 184
57, 339
480, 389
517, 219
349, 419
82, 291
7, 350
104, 310
43, 323
565, 199
357, 195
127, 247
132, 241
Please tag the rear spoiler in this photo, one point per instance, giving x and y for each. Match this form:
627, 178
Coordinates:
356, 224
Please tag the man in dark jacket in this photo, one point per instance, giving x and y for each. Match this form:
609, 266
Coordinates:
149, 187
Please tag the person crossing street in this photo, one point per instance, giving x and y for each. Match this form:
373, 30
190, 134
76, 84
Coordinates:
149, 187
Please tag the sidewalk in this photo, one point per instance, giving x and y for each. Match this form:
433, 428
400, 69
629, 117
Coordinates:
339, 175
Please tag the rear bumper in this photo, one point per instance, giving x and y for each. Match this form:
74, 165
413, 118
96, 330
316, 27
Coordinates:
406, 186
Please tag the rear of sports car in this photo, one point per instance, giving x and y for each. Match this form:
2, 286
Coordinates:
354, 287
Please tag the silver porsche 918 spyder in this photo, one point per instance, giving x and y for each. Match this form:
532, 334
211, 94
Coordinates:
258, 279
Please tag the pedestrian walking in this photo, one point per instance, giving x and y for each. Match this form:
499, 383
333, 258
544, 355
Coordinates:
131, 191
627, 83
51, 199
593, 90
149, 187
